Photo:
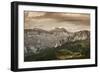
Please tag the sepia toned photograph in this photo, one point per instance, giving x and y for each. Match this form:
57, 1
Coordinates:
56, 36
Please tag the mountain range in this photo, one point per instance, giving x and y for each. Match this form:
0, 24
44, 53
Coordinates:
37, 39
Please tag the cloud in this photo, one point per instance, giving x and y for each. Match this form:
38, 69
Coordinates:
49, 20
31, 14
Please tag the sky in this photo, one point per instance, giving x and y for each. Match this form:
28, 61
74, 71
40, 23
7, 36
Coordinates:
50, 20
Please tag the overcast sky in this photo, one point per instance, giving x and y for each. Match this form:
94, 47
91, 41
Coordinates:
50, 20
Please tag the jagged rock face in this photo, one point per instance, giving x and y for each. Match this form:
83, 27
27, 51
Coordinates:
81, 35
37, 39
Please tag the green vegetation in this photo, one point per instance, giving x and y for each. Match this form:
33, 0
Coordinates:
71, 50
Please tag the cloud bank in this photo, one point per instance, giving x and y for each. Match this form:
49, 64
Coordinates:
50, 20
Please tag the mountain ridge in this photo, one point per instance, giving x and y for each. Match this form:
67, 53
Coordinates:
37, 39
